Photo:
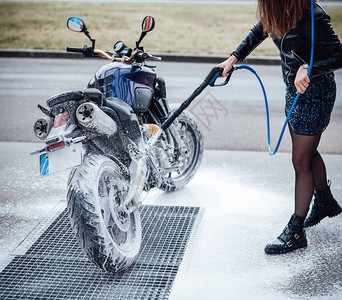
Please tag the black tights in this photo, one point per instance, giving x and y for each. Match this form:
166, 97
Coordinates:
309, 168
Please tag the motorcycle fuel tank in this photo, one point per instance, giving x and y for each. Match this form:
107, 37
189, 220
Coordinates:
132, 84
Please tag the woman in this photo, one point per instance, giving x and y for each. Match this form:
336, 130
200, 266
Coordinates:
288, 22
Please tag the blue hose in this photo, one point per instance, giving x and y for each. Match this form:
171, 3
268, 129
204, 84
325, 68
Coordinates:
296, 99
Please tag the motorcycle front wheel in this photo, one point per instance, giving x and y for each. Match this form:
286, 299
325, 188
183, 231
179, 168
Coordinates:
108, 235
188, 158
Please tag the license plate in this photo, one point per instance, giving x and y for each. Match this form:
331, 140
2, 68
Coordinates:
62, 159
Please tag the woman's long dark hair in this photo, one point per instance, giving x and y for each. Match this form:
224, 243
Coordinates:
279, 16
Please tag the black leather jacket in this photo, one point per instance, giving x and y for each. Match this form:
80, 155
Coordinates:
295, 46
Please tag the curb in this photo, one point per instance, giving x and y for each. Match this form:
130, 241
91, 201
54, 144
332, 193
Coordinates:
257, 60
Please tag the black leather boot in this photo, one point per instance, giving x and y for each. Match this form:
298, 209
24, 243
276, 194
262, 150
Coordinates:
323, 205
293, 237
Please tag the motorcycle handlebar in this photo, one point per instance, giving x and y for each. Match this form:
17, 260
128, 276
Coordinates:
104, 54
107, 56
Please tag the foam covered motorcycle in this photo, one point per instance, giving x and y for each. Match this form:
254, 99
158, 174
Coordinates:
109, 134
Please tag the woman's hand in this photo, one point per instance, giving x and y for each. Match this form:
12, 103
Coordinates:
227, 65
302, 80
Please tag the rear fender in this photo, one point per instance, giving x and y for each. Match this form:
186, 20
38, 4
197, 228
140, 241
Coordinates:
127, 119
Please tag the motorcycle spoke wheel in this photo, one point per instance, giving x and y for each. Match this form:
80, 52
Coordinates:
187, 155
187, 158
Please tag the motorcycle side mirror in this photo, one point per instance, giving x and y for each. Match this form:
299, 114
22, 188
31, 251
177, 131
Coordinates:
76, 24
146, 26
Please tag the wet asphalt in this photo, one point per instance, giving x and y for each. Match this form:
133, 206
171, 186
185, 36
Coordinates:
248, 199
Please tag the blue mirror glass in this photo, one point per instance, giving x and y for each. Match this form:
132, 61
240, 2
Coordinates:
76, 24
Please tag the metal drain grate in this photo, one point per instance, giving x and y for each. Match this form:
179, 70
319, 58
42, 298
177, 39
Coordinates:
54, 267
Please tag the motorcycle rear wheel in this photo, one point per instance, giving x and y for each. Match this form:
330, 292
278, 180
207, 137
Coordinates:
110, 237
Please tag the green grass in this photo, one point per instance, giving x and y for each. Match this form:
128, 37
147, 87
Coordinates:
191, 29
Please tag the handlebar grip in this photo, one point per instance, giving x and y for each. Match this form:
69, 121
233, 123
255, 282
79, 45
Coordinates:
72, 49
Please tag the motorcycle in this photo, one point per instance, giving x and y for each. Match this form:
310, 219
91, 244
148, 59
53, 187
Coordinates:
109, 135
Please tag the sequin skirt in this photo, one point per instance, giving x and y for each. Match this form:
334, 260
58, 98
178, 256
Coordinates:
311, 114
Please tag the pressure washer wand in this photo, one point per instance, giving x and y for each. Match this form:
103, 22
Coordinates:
209, 80
184, 105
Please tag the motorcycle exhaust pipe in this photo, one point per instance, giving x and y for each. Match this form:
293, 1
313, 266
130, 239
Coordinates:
42, 127
91, 116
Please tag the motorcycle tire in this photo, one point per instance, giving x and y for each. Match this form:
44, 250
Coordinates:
187, 126
110, 237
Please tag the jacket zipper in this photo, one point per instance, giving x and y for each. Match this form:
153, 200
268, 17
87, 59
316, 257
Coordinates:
285, 62
297, 56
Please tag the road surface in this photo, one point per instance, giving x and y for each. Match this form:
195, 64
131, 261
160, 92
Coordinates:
232, 117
